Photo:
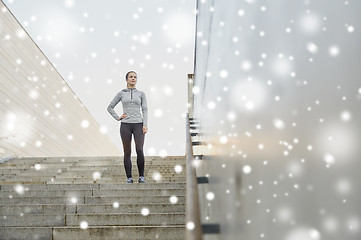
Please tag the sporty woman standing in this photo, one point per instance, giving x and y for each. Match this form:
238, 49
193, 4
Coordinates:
132, 122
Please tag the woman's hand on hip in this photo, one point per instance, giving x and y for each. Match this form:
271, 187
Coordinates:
145, 129
123, 116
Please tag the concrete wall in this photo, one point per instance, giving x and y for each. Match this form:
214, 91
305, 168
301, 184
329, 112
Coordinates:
278, 91
39, 113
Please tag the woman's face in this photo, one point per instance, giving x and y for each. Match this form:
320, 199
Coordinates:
132, 78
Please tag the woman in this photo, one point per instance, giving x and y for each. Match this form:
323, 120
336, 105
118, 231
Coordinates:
132, 122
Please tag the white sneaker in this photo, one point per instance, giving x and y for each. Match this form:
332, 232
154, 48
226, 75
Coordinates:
141, 179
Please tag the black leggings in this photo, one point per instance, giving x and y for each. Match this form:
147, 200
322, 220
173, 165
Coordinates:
126, 130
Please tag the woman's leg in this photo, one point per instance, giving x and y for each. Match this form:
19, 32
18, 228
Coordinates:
126, 135
139, 142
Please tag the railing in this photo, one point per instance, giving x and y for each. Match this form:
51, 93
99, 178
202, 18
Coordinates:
193, 219
194, 228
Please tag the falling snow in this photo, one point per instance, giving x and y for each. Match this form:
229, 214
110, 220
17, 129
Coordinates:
281, 101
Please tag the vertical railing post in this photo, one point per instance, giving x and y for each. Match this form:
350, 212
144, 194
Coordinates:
190, 95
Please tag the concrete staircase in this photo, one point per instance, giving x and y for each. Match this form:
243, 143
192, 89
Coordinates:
87, 198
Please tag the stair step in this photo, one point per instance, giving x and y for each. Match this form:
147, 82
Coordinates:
131, 208
93, 219
17, 209
125, 219
87, 181
90, 200
105, 181
48, 193
89, 193
140, 199
94, 233
43, 200
33, 220
139, 192
117, 232
7, 187
144, 185
27, 179
26, 233
90, 177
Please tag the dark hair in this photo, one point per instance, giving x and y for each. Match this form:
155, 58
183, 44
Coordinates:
126, 76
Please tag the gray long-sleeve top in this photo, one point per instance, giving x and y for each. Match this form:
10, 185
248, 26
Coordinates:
133, 100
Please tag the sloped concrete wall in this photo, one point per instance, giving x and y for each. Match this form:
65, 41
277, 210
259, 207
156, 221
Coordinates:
39, 114
278, 96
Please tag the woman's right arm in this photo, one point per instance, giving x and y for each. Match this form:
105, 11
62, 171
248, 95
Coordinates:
112, 104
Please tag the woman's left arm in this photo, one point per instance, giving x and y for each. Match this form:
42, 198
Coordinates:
145, 112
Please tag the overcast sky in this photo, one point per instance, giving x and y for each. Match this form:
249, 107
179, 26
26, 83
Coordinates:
93, 43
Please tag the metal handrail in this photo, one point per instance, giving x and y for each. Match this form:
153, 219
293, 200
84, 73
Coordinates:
193, 219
